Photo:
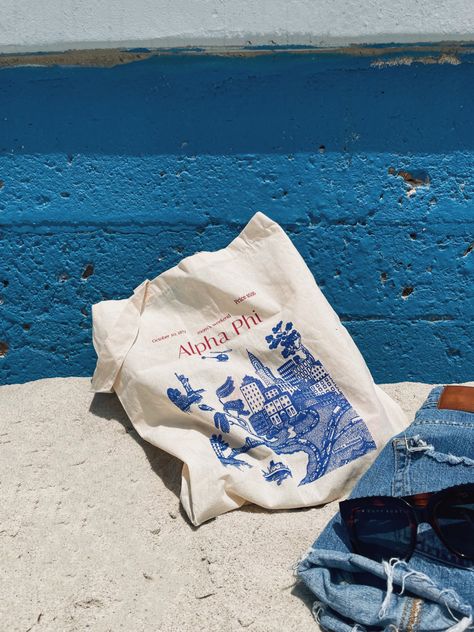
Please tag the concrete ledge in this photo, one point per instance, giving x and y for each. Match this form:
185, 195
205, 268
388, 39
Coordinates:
153, 23
92, 536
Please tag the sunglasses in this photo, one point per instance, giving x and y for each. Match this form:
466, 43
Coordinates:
382, 527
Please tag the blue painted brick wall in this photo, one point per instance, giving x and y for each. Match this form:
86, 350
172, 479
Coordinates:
111, 175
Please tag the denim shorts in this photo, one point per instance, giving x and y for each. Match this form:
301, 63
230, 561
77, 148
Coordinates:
434, 591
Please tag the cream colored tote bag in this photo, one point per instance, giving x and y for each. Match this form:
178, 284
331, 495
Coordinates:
234, 362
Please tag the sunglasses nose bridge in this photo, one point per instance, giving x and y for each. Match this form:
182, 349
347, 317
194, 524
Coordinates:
420, 508
422, 522
421, 514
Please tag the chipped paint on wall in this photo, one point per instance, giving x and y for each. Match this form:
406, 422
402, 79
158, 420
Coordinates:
386, 56
407, 60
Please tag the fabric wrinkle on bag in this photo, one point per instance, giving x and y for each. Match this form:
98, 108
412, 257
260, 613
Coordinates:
234, 362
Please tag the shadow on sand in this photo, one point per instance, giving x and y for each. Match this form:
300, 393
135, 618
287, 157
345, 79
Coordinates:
167, 467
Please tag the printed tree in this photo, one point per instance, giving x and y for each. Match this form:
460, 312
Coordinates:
234, 410
290, 341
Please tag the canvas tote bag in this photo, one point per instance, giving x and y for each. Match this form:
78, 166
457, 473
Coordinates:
234, 362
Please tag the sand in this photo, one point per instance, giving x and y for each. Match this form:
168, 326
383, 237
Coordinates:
92, 535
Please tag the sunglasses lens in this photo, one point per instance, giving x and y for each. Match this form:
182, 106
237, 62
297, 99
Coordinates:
455, 519
383, 532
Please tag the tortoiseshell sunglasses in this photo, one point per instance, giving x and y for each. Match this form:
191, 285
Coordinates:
383, 527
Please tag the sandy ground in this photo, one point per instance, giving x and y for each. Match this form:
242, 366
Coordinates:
92, 535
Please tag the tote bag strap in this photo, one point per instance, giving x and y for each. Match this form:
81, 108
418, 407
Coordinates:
119, 342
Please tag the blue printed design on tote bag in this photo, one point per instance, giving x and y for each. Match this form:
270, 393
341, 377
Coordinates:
277, 472
298, 409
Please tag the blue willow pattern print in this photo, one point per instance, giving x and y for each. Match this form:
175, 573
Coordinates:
298, 410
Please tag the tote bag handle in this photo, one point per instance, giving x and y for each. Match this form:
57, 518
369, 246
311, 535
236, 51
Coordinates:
119, 342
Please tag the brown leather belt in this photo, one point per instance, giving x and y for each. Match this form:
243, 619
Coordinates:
457, 398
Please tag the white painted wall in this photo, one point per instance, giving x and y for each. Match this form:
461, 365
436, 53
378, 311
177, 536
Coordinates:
32, 25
